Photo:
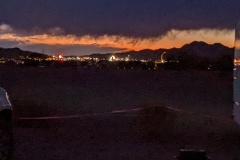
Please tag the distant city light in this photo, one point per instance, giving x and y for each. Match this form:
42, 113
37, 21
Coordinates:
112, 58
162, 59
237, 61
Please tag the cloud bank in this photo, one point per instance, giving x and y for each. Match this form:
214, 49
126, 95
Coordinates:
173, 38
135, 18
119, 25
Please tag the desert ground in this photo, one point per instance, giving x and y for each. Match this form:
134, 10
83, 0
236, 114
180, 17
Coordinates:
120, 114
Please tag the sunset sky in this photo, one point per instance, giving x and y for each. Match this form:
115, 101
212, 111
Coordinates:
75, 27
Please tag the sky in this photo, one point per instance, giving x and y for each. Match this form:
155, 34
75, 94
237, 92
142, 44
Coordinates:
237, 40
82, 27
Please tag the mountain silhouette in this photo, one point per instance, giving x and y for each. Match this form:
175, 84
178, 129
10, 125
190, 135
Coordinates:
203, 49
195, 48
18, 53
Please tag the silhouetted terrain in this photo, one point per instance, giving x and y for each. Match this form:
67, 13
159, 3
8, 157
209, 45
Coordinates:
197, 49
17, 53
196, 55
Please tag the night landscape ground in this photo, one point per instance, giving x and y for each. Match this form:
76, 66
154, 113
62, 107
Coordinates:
176, 109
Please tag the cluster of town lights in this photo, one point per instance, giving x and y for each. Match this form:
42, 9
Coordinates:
114, 58
237, 61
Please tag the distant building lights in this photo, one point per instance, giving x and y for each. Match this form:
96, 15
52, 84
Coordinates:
237, 61
112, 58
161, 58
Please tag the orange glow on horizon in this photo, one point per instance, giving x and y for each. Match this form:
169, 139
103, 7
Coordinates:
173, 38
237, 44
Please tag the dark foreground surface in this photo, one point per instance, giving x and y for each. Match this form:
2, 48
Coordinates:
198, 113
121, 137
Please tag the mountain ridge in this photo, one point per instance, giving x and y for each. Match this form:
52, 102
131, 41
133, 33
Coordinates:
17, 53
196, 48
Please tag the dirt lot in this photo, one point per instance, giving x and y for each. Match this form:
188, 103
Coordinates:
176, 109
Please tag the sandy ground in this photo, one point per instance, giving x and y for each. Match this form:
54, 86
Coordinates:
204, 100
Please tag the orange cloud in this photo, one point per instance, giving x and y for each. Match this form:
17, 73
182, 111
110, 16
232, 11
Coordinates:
173, 38
237, 44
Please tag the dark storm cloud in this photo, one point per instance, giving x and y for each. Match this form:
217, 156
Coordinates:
141, 18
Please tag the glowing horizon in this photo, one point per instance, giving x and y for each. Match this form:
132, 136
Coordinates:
173, 38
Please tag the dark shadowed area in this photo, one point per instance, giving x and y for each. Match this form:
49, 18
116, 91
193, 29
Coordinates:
120, 114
